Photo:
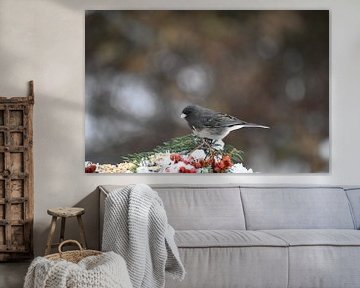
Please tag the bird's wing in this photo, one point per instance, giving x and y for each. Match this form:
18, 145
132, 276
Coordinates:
218, 120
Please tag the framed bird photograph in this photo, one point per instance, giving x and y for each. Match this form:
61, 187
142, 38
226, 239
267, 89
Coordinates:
207, 91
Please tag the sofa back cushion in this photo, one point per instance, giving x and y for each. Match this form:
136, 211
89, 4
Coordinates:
296, 208
203, 208
354, 198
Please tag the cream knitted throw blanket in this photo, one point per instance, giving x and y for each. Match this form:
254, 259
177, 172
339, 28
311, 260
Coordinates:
103, 271
136, 227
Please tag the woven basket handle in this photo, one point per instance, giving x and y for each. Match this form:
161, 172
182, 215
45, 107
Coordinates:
69, 241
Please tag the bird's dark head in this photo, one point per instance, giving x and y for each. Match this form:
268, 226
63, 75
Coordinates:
189, 112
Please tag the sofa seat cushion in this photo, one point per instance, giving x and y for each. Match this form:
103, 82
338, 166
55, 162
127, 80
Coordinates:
233, 267
226, 238
317, 237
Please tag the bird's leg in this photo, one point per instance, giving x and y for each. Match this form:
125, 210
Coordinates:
210, 154
202, 144
218, 145
207, 142
210, 148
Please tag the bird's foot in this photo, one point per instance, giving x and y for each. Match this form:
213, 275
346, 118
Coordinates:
213, 147
218, 145
210, 146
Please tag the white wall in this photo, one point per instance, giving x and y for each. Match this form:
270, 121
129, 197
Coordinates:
44, 41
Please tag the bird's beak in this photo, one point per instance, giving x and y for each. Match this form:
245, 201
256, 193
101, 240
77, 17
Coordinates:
183, 115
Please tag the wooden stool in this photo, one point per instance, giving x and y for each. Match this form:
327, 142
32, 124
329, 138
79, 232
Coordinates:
64, 213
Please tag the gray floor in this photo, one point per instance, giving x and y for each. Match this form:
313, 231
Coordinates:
12, 274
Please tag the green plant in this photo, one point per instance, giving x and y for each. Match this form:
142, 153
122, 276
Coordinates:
183, 145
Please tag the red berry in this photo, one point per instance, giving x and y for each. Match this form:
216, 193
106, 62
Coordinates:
221, 165
197, 165
226, 158
175, 157
217, 169
182, 169
90, 169
227, 161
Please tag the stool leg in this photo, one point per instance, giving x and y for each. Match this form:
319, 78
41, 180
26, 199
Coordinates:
62, 230
51, 235
82, 232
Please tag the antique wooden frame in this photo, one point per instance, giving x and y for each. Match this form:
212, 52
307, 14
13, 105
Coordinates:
16, 176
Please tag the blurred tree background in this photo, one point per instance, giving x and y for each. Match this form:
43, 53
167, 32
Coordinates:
266, 67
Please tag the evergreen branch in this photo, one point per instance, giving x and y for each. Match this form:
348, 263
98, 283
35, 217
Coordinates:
235, 154
183, 145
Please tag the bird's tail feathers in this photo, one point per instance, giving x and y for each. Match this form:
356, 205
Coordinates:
252, 125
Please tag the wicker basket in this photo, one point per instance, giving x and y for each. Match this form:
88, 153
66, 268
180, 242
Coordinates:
72, 256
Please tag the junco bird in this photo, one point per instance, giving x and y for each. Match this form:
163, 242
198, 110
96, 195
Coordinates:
212, 125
